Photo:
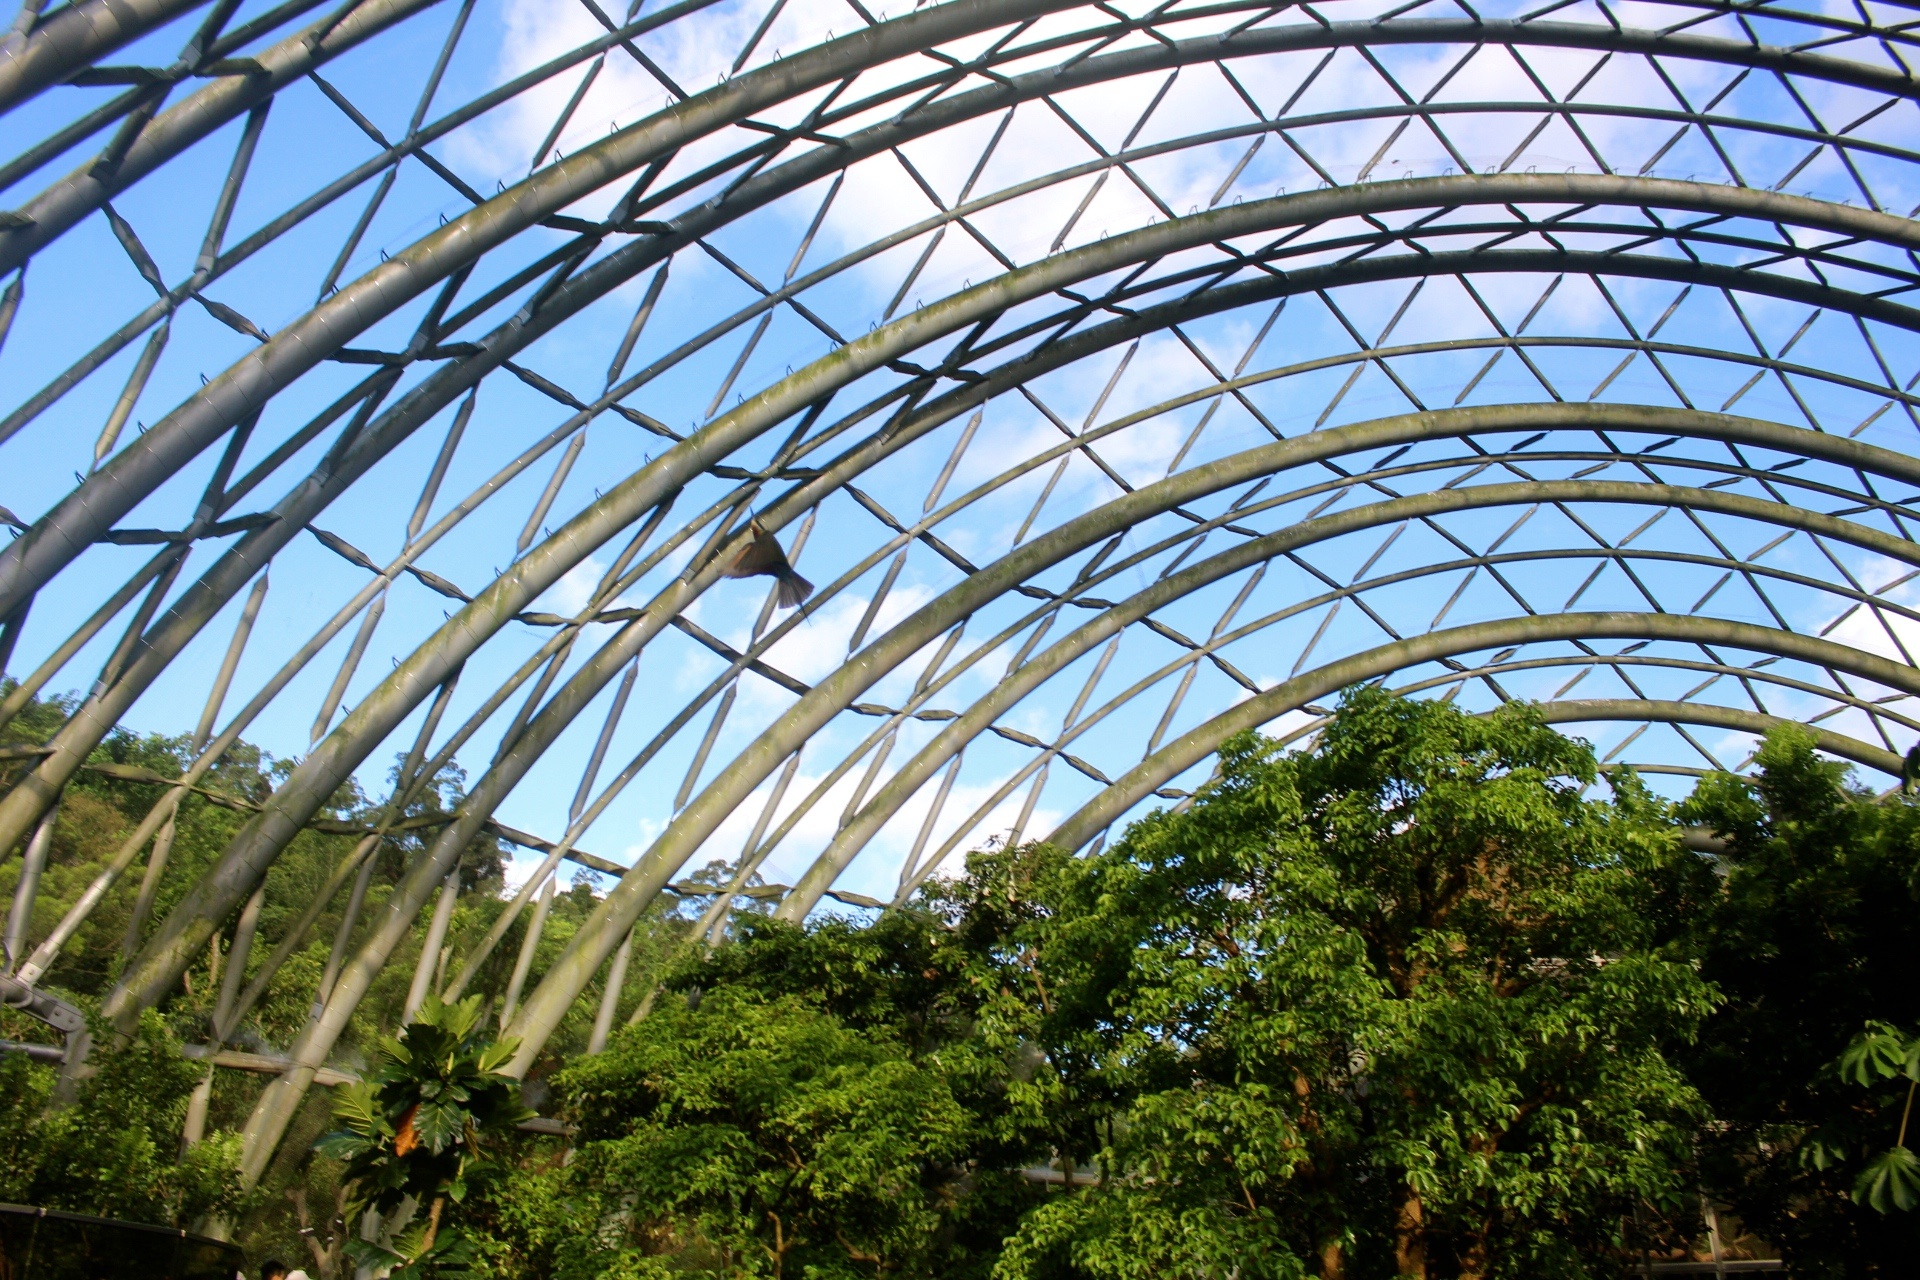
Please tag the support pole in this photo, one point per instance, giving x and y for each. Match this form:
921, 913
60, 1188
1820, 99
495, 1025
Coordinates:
430, 948
528, 945
348, 919
610, 998
20, 918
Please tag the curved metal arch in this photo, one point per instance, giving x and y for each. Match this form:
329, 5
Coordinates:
852, 837
76, 34
238, 570
413, 679
928, 688
696, 821
1666, 662
238, 567
865, 143
1658, 710
185, 617
57, 209
1553, 710
1156, 47
1201, 741
1618, 709
110, 493
897, 414
1816, 66
885, 803
1660, 661
234, 95
343, 474
609, 663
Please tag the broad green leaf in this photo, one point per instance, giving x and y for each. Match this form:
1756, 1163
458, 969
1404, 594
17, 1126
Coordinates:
358, 1107
1878, 1053
1891, 1183
342, 1145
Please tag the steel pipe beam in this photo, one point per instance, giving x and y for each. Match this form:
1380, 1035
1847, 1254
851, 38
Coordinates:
1201, 741
81, 517
1656, 710
72, 37
1010, 690
343, 750
96, 720
227, 98
1259, 243
201, 602
695, 822
1464, 675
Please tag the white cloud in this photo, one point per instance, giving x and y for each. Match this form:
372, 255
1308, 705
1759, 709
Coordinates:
575, 589
1874, 632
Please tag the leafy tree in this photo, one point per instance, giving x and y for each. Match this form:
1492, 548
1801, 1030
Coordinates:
417, 1130
813, 1101
300, 1204
1812, 938
1400, 1006
924, 978
761, 1137
113, 1151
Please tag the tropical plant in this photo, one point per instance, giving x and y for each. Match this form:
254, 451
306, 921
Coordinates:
418, 1130
755, 1136
1891, 1180
114, 1151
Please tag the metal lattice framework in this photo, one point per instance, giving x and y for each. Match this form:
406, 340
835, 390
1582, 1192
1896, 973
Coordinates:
1129, 375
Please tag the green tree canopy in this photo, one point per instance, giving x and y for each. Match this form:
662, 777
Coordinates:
761, 1136
1401, 1005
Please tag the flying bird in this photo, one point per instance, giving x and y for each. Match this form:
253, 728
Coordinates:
763, 557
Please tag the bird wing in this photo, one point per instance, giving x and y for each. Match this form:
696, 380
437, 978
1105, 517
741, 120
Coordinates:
762, 555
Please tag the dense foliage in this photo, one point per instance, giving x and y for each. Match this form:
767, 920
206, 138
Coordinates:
812, 1103
131, 1118
115, 1150
1438, 997
1812, 939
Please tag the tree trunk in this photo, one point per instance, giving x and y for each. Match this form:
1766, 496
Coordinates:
1473, 1259
1410, 1238
433, 1225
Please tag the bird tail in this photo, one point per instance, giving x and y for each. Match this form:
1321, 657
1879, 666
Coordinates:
794, 590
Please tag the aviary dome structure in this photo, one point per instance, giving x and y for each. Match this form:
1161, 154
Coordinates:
395, 380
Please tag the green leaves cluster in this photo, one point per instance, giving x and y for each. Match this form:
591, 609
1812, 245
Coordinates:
808, 1103
1406, 1005
1436, 998
768, 1137
1810, 938
415, 1131
1891, 1180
